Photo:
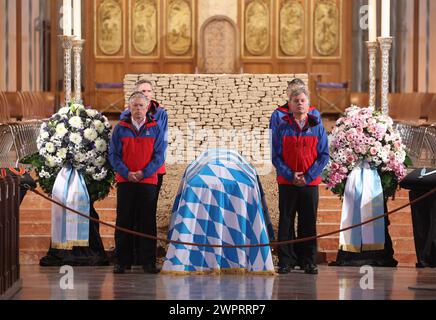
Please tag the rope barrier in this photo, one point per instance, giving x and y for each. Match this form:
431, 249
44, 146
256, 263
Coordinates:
270, 244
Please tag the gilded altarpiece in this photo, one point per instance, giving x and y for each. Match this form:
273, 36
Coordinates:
327, 26
256, 25
293, 31
179, 28
144, 28
109, 26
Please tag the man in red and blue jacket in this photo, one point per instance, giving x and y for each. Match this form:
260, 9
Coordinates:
136, 153
275, 121
299, 153
160, 115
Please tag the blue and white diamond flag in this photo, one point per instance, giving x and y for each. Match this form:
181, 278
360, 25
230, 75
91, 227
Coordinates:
218, 202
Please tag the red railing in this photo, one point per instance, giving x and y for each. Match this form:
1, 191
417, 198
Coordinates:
9, 235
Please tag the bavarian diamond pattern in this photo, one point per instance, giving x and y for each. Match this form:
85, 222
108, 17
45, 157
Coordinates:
218, 202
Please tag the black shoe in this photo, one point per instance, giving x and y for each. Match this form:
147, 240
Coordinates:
150, 268
118, 269
421, 265
284, 270
311, 269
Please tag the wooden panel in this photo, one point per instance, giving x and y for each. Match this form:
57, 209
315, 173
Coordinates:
163, 60
178, 67
258, 68
292, 67
141, 67
109, 72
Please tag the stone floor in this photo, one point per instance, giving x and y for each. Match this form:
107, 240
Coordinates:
332, 283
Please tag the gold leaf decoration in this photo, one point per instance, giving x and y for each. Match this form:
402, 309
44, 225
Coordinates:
144, 26
257, 27
326, 27
110, 27
179, 27
291, 27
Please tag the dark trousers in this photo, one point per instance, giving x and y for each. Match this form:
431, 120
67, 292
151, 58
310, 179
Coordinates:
424, 228
136, 210
136, 247
304, 201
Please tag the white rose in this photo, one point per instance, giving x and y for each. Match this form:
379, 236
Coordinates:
50, 161
90, 134
50, 147
100, 145
99, 126
64, 110
44, 135
75, 138
61, 130
91, 112
62, 153
76, 122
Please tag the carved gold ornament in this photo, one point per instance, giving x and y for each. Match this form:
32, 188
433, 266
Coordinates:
291, 27
257, 27
326, 27
179, 27
110, 27
144, 26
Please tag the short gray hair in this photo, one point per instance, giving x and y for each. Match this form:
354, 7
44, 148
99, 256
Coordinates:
138, 94
299, 90
295, 83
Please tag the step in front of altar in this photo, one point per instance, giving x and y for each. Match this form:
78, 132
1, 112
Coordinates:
35, 226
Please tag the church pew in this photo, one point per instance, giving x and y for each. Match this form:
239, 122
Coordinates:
48, 103
406, 107
432, 111
4, 110
15, 105
426, 105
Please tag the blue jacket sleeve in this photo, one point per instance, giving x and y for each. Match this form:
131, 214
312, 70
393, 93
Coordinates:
157, 159
323, 156
164, 127
273, 124
317, 114
116, 154
277, 158
124, 114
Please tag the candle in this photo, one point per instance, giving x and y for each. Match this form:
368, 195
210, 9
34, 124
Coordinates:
77, 18
372, 21
66, 17
386, 18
